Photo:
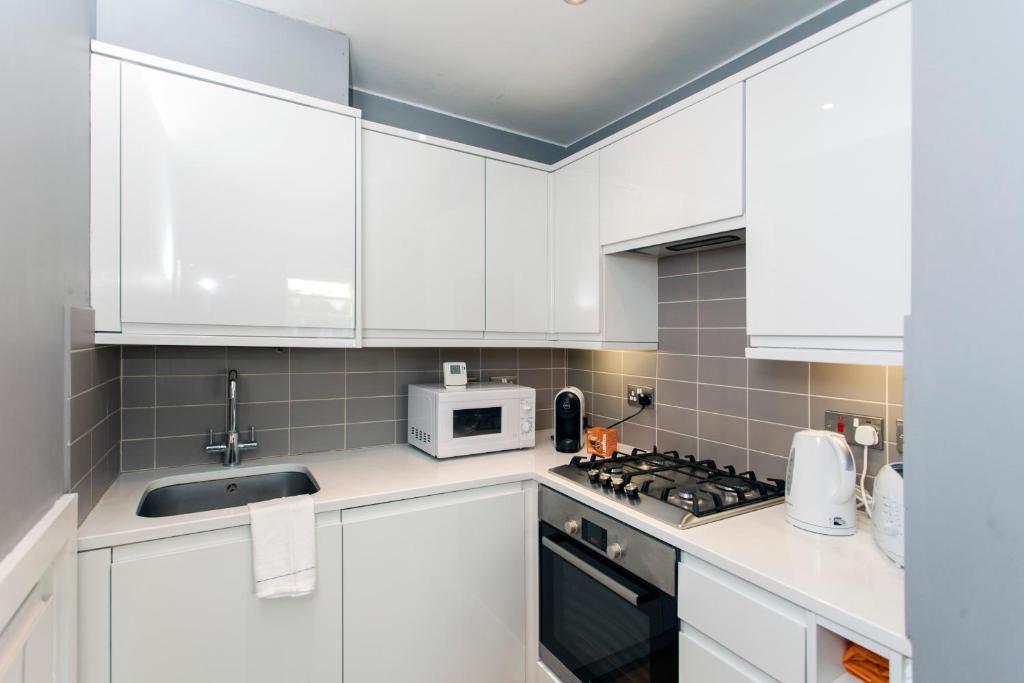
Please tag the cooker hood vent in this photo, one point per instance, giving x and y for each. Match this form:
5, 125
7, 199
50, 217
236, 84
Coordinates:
717, 240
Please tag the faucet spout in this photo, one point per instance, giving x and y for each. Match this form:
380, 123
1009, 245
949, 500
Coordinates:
231, 449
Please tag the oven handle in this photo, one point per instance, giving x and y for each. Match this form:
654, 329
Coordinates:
611, 584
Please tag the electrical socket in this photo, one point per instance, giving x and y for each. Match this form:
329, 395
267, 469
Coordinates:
851, 421
634, 391
899, 436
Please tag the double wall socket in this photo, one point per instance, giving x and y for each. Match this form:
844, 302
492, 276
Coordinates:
635, 391
847, 423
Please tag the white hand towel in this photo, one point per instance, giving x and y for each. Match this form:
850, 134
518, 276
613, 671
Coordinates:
283, 547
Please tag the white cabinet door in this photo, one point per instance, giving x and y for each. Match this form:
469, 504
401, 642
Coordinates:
237, 209
518, 294
184, 609
423, 230
828, 190
435, 589
576, 247
684, 170
701, 659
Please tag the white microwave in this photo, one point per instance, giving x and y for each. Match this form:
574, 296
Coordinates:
480, 418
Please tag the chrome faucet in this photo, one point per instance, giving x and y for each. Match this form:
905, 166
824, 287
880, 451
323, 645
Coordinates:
231, 449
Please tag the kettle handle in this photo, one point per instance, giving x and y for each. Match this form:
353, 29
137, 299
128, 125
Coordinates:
846, 481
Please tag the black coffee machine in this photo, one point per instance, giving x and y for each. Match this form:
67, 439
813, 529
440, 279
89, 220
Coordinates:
569, 412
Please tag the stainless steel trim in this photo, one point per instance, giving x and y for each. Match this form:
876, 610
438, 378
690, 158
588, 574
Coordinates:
611, 584
557, 667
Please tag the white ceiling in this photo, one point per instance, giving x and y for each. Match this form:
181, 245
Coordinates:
542, 68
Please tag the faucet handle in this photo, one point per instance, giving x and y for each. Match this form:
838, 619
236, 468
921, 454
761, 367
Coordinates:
251, 443
209, 440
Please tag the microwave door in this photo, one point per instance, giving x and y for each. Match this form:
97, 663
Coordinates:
477, 421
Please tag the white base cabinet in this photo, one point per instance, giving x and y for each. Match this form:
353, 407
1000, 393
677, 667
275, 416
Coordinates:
184, 609
435, 589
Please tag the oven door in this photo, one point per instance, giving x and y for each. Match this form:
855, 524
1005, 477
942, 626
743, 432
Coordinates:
599, 622
477, 425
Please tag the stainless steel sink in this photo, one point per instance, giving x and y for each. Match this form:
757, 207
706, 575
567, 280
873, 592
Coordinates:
224, 492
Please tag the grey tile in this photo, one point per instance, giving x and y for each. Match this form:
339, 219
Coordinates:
895, 384
771, 438
401, 431
722, 400
325, 385
137, 423
471, 357
371, 384
678, 367
137, 455
81, 371
608, 361
679, 288
768, 466
184, 420
607, 383
723, 258
682, 443
558, 377
534, 358
319, 360
180, 391
104, 474
313, 439
779, 375
418, 359
262, 388
190, 360
81, 327
859, 382
723, 313
137, 360
83, 411
648, 417
80, 453
679, 264
313, 413
177, 451
640, 363
636, 435
723, 454
273, 442
502, 359
678, 341
367, 434
581, 379
485, 376
401, 407
678, 420
680, 394
725, 371
678, 314
109, 399
893, 412
368, 360
580, 359
105, 435
606, 407
723, 342
85, 503
536, 378
252, 361
544, 419
106, 364
371, 409
788, 409
558, 358
404, 379
820, 404
723, 429
724, 284
876, 461
263, 416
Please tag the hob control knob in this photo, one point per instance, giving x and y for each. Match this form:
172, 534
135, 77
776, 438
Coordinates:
632, 490
571, 527
614, 551
592, 475
606, 479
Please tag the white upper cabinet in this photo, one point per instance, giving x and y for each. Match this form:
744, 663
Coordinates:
423, 228
238, 211
576, 247
683, 171
828, 198
517, 264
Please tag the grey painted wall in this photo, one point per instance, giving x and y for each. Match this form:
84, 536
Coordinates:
44, 219
965, 543
232, 38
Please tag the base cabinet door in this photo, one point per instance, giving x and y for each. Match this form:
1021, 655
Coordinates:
184, 609
435, 589
701, 659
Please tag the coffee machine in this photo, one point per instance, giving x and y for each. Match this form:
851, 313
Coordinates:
569, 412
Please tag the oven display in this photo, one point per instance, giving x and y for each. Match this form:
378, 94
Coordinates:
595, 535
476, 421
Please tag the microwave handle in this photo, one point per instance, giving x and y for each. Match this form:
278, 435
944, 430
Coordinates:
611, 584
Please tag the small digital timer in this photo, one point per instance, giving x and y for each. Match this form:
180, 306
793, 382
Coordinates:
455, 375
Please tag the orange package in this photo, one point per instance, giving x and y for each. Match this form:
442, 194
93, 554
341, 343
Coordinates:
601, 441
866, 665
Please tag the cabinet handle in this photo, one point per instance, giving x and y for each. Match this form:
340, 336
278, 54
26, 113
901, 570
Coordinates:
611, 584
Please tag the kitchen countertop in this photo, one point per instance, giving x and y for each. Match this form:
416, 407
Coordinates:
844, 579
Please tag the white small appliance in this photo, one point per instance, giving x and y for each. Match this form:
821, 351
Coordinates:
478, 418
455, 375
887, 513
820, 484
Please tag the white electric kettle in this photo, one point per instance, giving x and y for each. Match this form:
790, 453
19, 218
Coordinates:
820, 484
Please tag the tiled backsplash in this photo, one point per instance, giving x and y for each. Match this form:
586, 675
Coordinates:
94, 401
299, 400
711, 401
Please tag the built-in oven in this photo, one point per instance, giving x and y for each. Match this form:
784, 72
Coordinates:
607, 597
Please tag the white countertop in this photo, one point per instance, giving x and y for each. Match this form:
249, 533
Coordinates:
844, 579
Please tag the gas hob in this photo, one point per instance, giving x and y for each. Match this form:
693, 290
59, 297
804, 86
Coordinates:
677, 490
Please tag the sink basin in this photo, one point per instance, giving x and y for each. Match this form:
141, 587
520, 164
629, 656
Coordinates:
224, 492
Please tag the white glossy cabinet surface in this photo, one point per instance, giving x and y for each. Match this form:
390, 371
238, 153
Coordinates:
828, 192
435, 588
237, 209
682, 171
702, 659
517, 264
576, 247
423, 229
184, 609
